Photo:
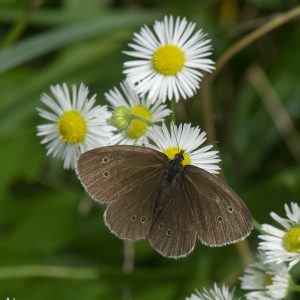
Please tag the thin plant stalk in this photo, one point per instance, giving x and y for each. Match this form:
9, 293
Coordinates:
173, 108
128, 260
277, 111
209, 121
20, 26
243, 43
128, 266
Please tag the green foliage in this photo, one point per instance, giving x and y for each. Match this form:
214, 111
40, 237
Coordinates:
46, 219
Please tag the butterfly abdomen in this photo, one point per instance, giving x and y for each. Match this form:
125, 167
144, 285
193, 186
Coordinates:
165, 194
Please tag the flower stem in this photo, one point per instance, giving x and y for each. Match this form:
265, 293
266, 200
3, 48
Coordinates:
244, 42
295, 288
136, 117
21, 24
64, 272
276, 109
173, 108
128, 260
276, 22
243, 247
257, 226
89, 273
208, 115
128, 266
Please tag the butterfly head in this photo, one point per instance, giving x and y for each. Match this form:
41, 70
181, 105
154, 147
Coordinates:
178, 155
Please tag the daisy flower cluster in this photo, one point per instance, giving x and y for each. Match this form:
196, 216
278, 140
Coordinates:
282, 245
167, 63
269, 277
265, 281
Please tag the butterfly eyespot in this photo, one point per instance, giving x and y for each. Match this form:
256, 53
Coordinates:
143, 219
106, 174
161, 226
105, 160
168, 232
230, 209
220, 219
133, 218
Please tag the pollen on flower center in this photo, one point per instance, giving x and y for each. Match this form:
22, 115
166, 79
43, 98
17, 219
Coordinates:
171, 152
268, 280
168, 60
137, 128
72, 127
291, 240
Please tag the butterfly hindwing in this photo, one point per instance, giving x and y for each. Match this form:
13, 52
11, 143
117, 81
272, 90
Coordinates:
172, 233
221, 216
131, 217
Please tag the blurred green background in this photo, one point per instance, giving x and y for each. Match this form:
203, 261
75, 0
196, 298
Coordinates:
48, 224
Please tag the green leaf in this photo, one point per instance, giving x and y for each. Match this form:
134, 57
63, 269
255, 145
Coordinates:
20, 157
87, 5
49, 289
46, 42
271, 194
51, 17
57, 211
18, 105
271, 4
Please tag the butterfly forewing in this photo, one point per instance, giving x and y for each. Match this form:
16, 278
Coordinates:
133, 177
114, 172
221, 216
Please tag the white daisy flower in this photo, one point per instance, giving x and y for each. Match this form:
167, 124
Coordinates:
283, 245
187, 139
132, 115
215, 293
265, 281
75, 126
169, 61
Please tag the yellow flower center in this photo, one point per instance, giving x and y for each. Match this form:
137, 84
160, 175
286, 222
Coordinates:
72, 127
268, 280
171, 152
291, 242
168, 60
137, 128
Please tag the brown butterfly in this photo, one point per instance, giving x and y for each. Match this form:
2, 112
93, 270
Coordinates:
151, 196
